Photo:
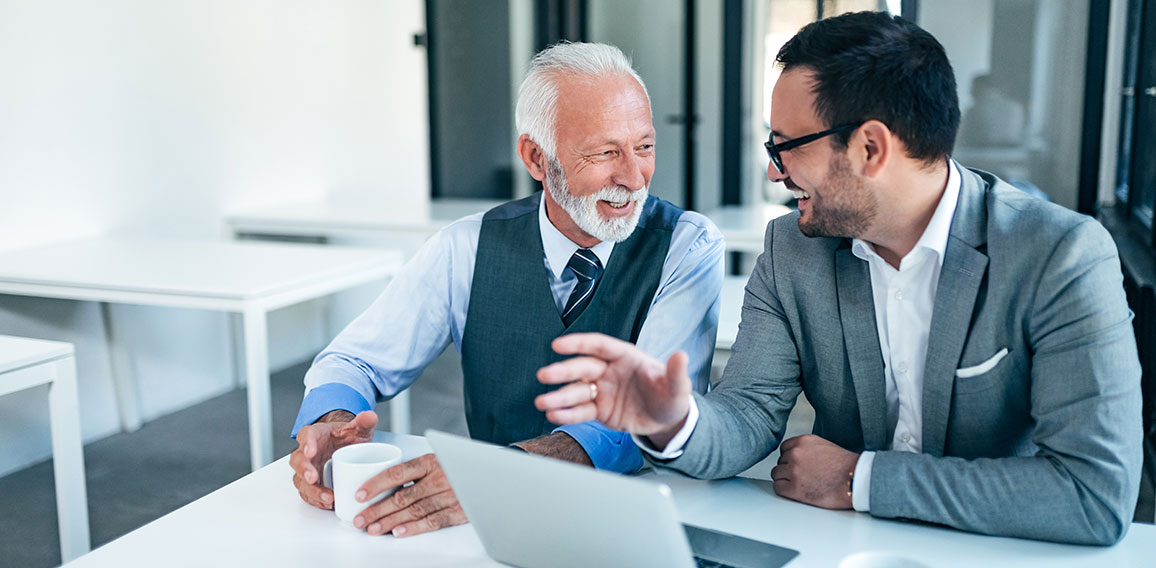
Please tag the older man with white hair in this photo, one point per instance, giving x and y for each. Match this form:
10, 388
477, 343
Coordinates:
590, 253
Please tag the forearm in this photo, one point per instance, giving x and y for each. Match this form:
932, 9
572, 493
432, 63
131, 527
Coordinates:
730, 435
743, 419
558, 445
1026, 497
1076, 483
336, 416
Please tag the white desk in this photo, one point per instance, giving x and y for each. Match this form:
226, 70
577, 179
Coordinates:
248, 279
260, 520
352, 217
27, 363
744, 226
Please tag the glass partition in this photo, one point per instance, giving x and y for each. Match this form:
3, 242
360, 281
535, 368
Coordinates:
1020, 67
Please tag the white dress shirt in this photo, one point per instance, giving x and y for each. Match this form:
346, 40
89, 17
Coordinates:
903, 300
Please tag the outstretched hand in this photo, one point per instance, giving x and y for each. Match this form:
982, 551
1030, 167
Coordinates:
616, 383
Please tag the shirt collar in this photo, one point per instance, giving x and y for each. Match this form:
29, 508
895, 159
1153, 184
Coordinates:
934, 237
559, 248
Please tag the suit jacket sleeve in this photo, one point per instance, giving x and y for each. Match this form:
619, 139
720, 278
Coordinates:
1081, 485
744, 418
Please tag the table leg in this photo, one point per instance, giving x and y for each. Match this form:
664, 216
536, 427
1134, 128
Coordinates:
68, 460
123, 378
399, 413
257, 373
237, 344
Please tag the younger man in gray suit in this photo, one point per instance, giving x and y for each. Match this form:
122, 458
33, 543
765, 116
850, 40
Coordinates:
967, 348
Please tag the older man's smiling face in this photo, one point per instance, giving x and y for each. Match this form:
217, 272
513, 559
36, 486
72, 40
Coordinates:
605, 157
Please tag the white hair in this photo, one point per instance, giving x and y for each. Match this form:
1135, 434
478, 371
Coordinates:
538, 96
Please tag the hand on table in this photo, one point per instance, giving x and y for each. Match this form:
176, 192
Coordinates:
427, 505
616, 383
815, 471
316, 444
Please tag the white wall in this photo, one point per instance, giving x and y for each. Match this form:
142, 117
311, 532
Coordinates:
157, 117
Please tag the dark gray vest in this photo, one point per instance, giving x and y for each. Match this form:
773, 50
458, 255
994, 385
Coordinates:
512, 317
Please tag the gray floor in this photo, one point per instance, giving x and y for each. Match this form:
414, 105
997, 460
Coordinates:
136, 477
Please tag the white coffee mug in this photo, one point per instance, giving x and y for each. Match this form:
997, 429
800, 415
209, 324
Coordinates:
350, 468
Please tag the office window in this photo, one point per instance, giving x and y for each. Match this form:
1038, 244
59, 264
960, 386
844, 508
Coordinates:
1019, 65
1136, 165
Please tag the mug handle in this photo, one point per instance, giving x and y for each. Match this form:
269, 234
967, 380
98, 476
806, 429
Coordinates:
327, 474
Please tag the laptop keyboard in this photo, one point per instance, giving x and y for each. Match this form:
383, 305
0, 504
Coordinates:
704, 563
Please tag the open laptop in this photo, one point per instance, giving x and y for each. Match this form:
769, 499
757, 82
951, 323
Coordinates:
537, 512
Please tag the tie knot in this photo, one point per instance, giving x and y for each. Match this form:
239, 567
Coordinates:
585, 264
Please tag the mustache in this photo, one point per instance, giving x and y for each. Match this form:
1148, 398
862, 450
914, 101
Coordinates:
619, 193
791, 185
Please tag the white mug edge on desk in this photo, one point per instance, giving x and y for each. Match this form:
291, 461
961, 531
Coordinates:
372, 458
880, 559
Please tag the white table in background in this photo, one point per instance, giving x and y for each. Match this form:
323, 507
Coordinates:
260, 520
27, 363
730, 311
744, 226
349, 216
247, 279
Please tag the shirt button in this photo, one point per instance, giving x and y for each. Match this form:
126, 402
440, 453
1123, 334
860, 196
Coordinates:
901, 367
899, 294
905, 437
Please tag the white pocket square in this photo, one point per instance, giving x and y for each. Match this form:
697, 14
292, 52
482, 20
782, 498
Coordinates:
981, 368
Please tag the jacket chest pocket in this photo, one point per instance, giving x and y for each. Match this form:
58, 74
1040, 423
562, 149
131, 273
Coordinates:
981, 376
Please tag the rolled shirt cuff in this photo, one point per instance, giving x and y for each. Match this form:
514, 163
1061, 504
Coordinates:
861, 486
325, 399
677, 443
608, 449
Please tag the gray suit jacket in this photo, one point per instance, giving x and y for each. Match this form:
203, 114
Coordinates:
1045, 445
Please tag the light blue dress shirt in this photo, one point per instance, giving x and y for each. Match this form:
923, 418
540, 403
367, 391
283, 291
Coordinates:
423, 310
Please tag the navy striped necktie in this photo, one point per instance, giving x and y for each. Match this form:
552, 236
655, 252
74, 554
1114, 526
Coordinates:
586, 266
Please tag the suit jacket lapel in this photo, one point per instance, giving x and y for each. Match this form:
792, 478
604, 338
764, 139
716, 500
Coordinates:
860, 335
960, 279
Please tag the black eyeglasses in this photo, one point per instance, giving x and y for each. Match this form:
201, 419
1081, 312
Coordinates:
774, 151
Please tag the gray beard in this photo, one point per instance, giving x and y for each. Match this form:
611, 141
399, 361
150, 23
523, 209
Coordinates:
584, 210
